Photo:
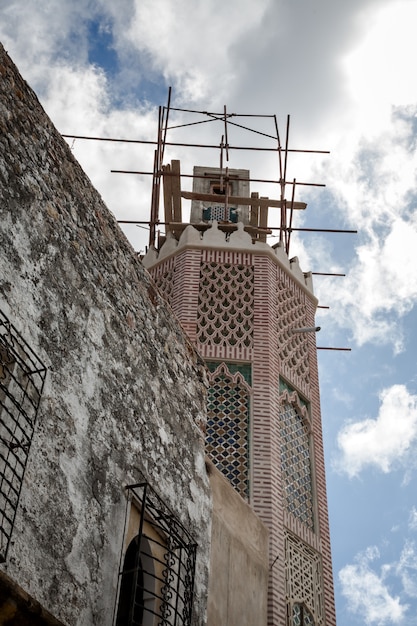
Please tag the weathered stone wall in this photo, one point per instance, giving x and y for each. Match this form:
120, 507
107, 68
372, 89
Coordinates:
125, 392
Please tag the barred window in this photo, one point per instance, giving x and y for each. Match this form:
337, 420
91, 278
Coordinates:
157, 578
22, 376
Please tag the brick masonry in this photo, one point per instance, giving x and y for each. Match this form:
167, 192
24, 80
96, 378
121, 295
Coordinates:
281, 303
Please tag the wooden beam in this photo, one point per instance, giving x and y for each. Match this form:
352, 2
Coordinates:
236, 200
176, 190
263, 220
254, 214
168, 208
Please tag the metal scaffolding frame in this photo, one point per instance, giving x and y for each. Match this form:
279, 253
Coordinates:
260, 229
287, 206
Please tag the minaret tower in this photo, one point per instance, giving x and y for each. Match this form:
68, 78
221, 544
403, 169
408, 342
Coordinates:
250, 311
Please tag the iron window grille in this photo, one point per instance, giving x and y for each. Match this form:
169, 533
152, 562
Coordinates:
157, 578
22, 376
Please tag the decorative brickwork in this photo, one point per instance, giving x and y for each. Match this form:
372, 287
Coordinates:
292, 347
267, 497
243, 368
285, 481
227, 437
164, 277
225, 307
303, 582
296, 464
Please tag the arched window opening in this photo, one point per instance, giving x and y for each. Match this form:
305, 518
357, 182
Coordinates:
304, 586
137, 589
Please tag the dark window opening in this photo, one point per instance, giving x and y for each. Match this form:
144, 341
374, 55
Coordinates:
220, 190
137, 587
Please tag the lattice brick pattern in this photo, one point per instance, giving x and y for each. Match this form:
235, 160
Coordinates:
292, 347
227, 434
164, 278
296, 465
303, 579
225, 307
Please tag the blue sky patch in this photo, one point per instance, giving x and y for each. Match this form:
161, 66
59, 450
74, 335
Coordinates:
101, 49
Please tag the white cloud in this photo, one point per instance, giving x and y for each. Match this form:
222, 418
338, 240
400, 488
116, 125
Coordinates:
39, 32
406, 569
378, 70
367, 593
412, 520
372, 176
311, 61
192, 44
374, 190
77, 99
385, 442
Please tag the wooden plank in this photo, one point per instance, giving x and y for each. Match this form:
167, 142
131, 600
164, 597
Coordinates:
254, 214
176, 190
235, 200
168, 209
263, 220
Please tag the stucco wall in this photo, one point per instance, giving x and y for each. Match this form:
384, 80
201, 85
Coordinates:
125, 392
238, 561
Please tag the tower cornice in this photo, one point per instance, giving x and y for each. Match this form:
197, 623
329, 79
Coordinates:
238, 240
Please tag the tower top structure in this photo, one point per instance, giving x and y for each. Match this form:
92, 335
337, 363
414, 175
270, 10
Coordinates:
250, 311
224, 214
222, 185
168, 187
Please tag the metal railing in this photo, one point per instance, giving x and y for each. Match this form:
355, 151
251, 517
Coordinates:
157, 579
22, 376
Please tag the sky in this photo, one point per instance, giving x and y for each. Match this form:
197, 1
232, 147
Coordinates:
345, 73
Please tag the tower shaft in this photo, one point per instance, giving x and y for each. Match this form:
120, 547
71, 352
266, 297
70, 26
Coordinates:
250, 312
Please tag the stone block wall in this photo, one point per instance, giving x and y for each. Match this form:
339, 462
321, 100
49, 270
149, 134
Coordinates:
124, 397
